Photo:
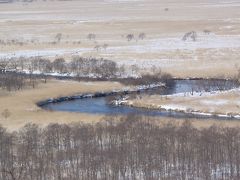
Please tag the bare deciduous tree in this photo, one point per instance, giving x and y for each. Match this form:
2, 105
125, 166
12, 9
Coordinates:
59, 65
142, 36
130, 37
190, 36
6, 113
58, 37
206, 31
97, 47
91, 36
105, 46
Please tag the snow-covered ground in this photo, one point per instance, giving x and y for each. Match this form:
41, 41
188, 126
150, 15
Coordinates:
203, 41
217, 103
44, 53
164, 22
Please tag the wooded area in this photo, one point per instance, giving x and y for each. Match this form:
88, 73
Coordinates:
130, 148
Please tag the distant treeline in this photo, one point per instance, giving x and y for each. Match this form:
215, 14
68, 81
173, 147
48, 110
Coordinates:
79, 66
17, 73
130, 148
13, 81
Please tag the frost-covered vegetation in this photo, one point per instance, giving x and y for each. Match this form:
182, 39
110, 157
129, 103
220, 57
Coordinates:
132, 148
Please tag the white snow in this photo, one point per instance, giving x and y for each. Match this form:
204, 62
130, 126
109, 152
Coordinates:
173, 107
190, 110
45, 53
176, 43
203, 41
214, 102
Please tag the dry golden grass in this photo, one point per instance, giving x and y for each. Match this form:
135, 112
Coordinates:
23, 108
198, 123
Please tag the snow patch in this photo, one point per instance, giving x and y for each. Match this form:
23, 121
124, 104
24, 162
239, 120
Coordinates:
215, 102
173, 107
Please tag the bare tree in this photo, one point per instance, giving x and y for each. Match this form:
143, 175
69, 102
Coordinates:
59, 65
130, 37
206, 31
3, 65
105, 46
142, 36
97, 47
58, 37
6, 113
166, 9
190, 36
91, 36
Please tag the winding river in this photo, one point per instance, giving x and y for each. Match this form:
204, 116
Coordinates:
100, 105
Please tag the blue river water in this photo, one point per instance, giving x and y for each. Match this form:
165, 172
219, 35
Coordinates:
100, 105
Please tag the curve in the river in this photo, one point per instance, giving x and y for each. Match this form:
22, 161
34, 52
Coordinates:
98, 103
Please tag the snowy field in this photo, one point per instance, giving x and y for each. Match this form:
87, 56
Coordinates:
31, 29
218, 103
203, 41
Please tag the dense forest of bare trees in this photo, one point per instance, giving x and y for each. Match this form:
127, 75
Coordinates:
131, 148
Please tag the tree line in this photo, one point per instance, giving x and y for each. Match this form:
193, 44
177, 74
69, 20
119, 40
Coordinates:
126, 148
13, 81
16, 73
78, 66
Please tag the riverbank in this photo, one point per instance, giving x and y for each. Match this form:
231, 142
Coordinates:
216, 104
123, 91
23, 109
